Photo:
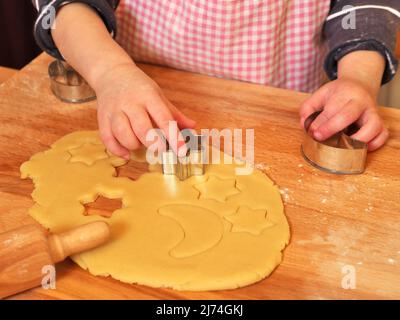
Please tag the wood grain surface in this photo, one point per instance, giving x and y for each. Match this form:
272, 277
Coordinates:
6, 73
336, 221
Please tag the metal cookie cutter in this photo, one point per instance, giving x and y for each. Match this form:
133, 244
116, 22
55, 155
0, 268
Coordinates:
68, 85
192, 164
339, 154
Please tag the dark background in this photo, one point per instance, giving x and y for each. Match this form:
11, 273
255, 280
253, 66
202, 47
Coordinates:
17, 44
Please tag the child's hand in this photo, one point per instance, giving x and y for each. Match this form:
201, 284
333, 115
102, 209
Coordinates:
351, 98
129, 103
345, 102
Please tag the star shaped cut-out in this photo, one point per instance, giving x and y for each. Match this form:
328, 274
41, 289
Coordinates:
217, 189
249, 220
88, 153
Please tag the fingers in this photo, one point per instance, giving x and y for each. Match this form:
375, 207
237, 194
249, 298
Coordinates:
314, 103
140, 123
109, 140
183, 123
332, 123
122, 131
372, 131
333, 105
379, 141
129, 126
164, 119
344, 102
370, 128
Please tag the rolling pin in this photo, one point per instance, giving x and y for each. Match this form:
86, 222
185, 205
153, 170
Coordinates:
26, 250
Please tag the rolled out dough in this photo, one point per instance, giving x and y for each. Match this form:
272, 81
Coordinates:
211, 232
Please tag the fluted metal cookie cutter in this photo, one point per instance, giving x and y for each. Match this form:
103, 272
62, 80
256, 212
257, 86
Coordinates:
192, 164
339, 154
68, 85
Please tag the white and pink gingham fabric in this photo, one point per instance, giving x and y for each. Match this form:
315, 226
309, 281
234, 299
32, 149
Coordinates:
272, 42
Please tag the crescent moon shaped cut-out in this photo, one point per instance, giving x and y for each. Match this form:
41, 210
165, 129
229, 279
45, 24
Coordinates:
202, 229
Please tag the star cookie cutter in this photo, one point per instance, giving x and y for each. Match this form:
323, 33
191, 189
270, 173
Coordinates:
192, 164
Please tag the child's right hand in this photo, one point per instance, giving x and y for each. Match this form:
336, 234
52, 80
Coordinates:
129, 103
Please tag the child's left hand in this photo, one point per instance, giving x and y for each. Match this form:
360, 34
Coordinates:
345, 101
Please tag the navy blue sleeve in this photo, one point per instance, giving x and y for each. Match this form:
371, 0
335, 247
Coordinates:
47, 10
374, 28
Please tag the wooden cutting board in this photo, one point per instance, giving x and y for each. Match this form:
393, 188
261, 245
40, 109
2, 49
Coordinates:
339, 224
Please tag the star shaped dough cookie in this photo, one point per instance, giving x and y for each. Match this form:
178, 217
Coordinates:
217, 189
249, 220
88, 153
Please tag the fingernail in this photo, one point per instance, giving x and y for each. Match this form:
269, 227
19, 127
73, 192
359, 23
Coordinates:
180, 144
182, 151
317, 135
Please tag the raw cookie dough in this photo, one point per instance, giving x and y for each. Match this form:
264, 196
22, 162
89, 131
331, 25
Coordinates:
211, 232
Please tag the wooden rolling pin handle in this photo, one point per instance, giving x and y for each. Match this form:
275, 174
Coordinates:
80, 239
26, 250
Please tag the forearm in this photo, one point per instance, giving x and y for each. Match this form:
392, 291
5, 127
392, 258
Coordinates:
86, 43
364, 67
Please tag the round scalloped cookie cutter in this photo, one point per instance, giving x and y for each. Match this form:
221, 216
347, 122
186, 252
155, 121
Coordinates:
68, 85
339, 154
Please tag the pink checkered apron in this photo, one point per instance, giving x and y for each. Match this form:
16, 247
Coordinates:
272, 42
